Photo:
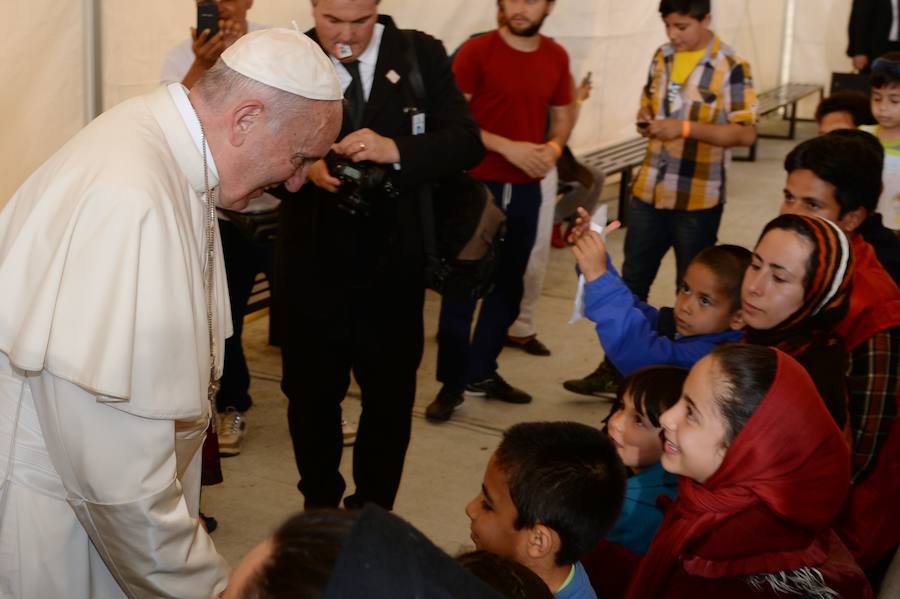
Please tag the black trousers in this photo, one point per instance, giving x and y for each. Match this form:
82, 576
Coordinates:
376, 332
244, 259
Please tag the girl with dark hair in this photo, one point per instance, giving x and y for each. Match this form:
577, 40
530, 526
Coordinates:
796, 289
763, 472
634, 428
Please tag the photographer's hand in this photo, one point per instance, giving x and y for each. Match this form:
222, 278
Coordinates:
207, 49
365, 144
319, 175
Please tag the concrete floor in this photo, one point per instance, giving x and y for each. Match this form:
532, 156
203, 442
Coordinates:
445, 462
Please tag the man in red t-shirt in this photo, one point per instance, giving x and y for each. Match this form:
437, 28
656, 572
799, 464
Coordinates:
512, 78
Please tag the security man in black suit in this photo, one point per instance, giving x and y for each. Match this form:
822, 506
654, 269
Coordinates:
872, 23
351, 288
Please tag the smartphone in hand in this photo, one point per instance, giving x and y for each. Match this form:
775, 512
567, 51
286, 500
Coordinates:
208, 18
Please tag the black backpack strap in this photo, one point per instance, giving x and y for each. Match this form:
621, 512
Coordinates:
415, 73
424, 192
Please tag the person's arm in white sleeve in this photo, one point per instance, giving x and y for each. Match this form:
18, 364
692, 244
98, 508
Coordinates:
119, 471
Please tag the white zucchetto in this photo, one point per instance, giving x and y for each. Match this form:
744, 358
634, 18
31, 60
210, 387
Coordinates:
287, 60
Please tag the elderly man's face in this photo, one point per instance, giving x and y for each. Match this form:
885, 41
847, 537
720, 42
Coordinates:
345, 27
267, 159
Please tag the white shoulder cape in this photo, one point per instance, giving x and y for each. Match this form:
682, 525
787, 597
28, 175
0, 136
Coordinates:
102, 261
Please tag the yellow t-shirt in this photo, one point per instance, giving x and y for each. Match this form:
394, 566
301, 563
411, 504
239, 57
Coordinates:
684, 64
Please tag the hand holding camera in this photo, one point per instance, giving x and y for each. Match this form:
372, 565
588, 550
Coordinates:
360, 183
366, 145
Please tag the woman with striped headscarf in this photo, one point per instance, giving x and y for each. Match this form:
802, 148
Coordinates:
795, 291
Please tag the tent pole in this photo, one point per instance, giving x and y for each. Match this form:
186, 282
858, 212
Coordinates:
787, 41
93, 46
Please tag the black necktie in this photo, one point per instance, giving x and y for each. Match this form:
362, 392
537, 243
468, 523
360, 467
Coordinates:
354, 98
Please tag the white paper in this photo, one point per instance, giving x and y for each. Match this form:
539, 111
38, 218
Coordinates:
598, 224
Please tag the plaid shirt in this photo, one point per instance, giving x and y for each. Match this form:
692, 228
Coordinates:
873, 380
686, 174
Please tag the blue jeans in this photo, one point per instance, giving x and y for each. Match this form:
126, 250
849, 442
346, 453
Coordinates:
652, 231
465, 358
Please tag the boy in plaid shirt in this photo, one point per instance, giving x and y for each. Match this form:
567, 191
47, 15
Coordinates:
697, 103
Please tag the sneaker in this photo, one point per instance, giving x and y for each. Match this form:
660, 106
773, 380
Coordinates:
443, 405
530, 345
232, 426
603, 382
496, 388
349, 430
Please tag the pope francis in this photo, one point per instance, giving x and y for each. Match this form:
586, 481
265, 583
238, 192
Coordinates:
113, 313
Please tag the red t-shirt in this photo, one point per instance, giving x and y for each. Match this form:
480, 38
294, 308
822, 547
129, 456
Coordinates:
511, 94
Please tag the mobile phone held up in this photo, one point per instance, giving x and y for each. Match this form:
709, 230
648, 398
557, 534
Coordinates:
207, 18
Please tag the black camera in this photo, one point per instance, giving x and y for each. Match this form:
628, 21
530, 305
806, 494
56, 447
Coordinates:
359, 182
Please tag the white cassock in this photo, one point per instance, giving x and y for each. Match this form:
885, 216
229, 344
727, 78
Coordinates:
104, 364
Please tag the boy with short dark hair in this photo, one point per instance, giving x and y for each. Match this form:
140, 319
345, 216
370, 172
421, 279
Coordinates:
551, 491
844, 110
885, 83
707, 309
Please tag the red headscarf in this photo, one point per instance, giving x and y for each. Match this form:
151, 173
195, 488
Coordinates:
875, 301
770, 504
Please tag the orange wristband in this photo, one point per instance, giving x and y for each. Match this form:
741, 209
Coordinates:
556, 148
685, 129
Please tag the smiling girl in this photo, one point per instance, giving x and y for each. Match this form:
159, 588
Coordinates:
763, 472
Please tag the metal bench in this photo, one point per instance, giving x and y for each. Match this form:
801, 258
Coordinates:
620, 158
785, 96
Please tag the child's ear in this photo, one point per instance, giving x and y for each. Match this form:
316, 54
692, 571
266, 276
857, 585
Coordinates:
737, 320
543, 542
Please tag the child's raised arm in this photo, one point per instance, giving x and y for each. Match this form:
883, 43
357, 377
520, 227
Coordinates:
589, 246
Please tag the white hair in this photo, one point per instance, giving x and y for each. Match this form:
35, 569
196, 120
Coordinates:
221, 84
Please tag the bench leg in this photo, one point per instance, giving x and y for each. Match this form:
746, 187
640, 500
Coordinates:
792, 131
624, 195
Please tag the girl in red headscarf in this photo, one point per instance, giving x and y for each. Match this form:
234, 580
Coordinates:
796, 289
763, 472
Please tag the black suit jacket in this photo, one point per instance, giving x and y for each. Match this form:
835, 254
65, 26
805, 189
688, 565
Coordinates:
870, 26
335, 249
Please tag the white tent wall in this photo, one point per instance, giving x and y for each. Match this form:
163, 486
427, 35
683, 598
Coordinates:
819, 43
614, 39
42, 49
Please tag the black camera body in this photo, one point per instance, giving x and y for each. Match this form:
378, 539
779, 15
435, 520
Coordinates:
359, 181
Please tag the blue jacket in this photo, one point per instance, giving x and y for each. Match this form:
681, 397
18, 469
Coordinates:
640, 518
627, 329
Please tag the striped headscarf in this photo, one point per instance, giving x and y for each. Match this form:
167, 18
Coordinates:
826, 286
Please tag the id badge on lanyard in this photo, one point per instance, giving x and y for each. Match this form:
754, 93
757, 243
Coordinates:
417, 120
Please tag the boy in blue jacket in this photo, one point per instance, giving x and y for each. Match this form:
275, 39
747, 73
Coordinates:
707, 307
